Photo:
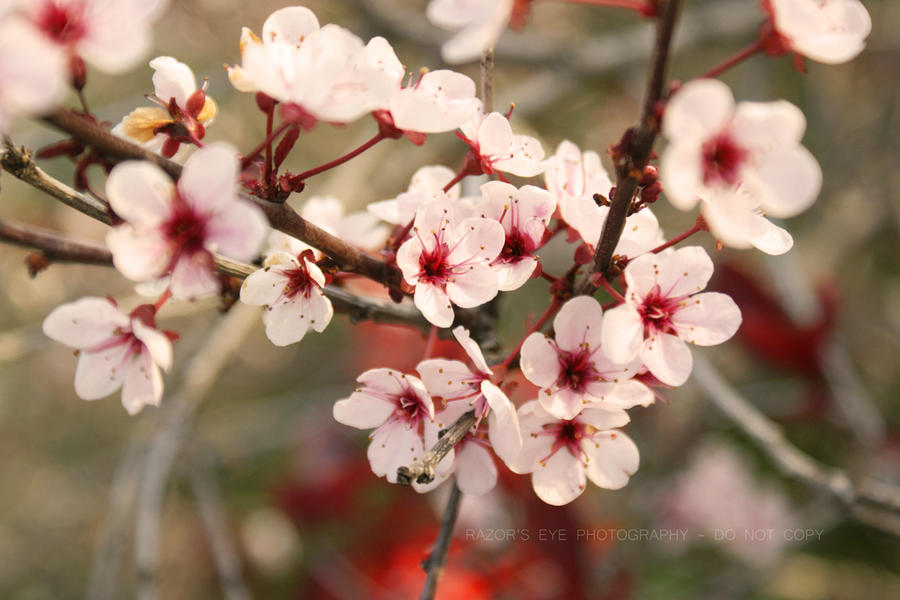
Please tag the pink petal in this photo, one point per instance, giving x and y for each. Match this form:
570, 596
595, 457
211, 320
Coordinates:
512, 276
623, 333
99, 374
287, 322
603, 417
685, 271
707, 319
434, 304
473, 350
668, 358
209, 177
503, 430
156, 344
794, 180
138, 254
526, 158
640, 276
237, 230
699, 110
476, 473
289, 25
628, 394
472, 288
681, 169
562, 403
263, 287
392, 447
495, 136
194, 277
763, 125
84, 323
173, 79
612, 459
140, 192
143, 384
482, 240
560, 480
540, 360
532, 417
448, 379
362, 410
579, 325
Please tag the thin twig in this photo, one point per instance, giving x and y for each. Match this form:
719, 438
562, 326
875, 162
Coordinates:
434, 564
875, 502
487, 81
212, 510
422, 471
281, 216
633, 151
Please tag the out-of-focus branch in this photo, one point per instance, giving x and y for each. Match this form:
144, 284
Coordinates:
212, 512
434, 564
175, 424
633, 151
872, 501
53, 245
280, 215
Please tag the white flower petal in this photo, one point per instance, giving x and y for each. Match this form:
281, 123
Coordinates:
560, 480
612, 459
668, 358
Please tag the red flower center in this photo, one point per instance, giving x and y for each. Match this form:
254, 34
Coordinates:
722, 160
568, 435
576, 370
63, 23
656, 312
185, 229
433, 263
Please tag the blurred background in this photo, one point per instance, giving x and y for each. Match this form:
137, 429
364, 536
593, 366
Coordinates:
242, 483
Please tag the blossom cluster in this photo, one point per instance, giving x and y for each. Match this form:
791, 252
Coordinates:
448, 250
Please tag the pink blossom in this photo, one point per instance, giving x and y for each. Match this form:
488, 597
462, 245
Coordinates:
175, 229
400, 410
425, 183
562, 454
112, 35
481, 22
463, 389
182, 114
448, 260
32, 72
497, 148
324, 72
743, 161
291, 290
573, 370
827, 31
115, 350
571, 176
524, 214
662, 311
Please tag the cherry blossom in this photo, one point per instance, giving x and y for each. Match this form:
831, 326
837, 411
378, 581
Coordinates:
437, 101
524, 214
743, 161
827, 31
321, 73
183, 113
474, 467
448, 260
115, 350
425, 183
112, 35
662, 311
32, 72
573, 370
561, 454
572, 175
175, 229
481, 22
399, 409
462, 389
291, 290
496, 148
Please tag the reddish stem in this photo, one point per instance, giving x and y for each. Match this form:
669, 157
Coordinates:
432, 341
266, 144
554, 306
162, 300
456, 179
612, 291
270, 120
678, 238
342, 159
736, 58
549, 277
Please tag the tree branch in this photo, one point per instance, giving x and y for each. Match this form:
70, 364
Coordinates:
873, 501
280, 215
434, 564
55, 246
632, 153
422, 471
